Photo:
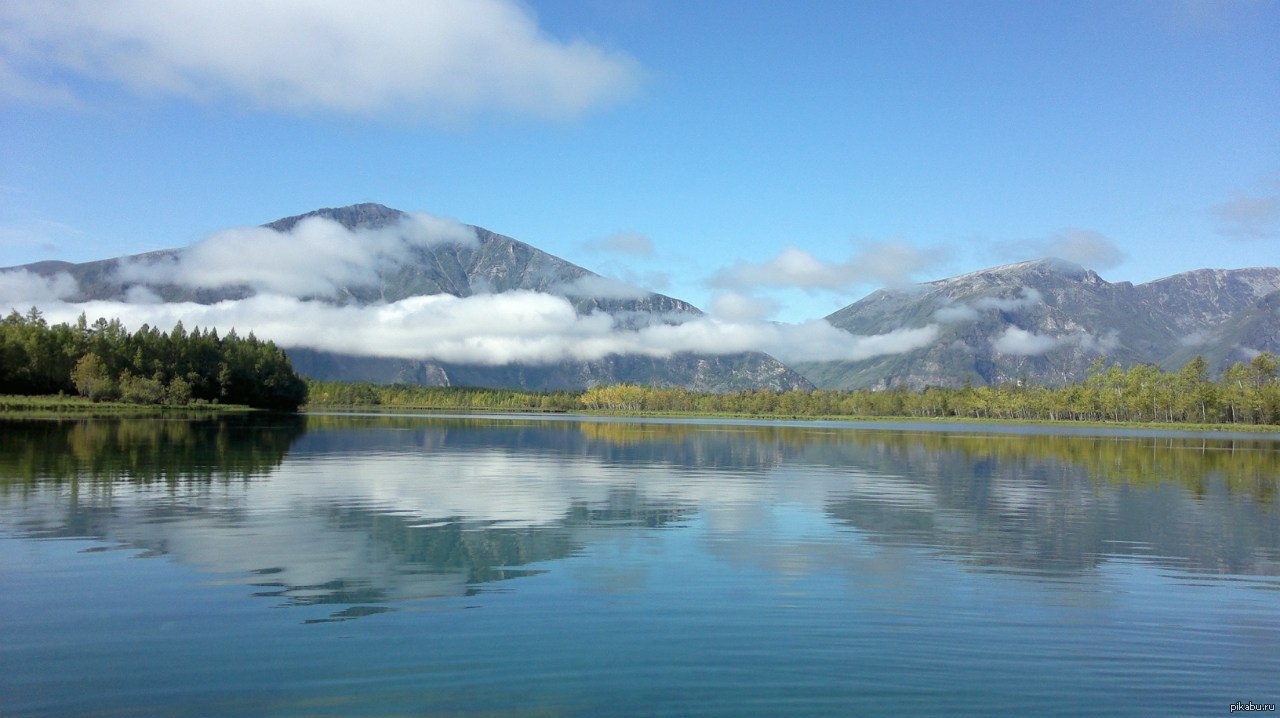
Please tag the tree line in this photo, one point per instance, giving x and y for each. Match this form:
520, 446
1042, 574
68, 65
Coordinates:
103, 361
1246, 393
346, 394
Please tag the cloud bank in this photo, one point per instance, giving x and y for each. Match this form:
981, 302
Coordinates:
296, 276
437, 59
594, 285
1026, 297
1249, 216
628, 243
1020, 342
732, 306
492, 329
20, 289
1083, 246
290, 272
890, 263
317, 257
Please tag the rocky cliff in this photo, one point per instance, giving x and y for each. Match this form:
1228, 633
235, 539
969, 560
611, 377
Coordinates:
1046, 320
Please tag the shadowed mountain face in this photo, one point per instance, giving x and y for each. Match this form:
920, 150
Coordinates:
472, 261
493, 264
1045, 321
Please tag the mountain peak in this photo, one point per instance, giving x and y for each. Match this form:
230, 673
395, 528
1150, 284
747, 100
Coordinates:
1042, 266
367, 214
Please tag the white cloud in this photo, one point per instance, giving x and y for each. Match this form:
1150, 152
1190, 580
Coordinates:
317, 257
521, 326
815, 340
1021, 342
956, 312
20, 289
1249, 216
292, 272
952, 313
1107, 342
1025, 297
438, 59
140, 294
1024, 343
594, 285
735, 307
630, 243
1087, 248
1082, 246
891, 263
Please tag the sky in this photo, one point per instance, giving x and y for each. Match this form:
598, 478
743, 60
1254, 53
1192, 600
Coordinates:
762, 160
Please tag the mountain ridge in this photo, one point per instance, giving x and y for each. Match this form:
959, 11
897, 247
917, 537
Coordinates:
1042, 320
473, 262
1045, 320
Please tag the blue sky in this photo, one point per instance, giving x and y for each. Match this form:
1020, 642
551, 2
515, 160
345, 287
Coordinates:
763, 159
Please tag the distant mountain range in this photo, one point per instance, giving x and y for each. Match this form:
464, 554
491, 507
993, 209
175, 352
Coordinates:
491, 264
1042, 321
1046, 320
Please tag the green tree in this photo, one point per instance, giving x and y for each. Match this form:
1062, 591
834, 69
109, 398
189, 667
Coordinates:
91, 378
140, 390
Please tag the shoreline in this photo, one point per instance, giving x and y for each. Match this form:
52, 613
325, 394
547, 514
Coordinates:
75, 407
945, 420
69, 407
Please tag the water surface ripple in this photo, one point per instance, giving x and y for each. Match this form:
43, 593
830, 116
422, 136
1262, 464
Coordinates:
519, 566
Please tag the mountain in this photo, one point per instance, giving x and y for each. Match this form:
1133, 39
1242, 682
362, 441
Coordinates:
1046, 320
385, 256
492, 264
1042, 321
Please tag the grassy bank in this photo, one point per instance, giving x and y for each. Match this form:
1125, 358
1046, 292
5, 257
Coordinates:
944, 420
957, 420
79, 407
60, 406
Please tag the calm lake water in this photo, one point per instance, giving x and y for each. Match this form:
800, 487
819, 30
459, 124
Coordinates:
507, 566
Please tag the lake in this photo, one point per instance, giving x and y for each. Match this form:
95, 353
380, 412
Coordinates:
335, 565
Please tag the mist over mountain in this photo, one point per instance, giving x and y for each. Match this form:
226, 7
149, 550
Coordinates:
1046, 320
371, 293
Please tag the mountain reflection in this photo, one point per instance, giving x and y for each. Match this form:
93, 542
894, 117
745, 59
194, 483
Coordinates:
362, 513
1068, 504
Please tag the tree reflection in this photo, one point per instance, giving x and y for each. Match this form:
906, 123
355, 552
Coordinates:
367, 512
143, 449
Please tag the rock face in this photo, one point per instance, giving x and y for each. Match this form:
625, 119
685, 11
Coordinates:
490, 264
1045, 321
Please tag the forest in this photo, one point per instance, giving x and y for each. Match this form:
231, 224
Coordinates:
103, 361
1246, 393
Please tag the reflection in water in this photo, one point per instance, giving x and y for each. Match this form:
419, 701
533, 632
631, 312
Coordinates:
143, 450
367, 512
629, 568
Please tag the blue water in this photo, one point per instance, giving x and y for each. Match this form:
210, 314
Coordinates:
426, 566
